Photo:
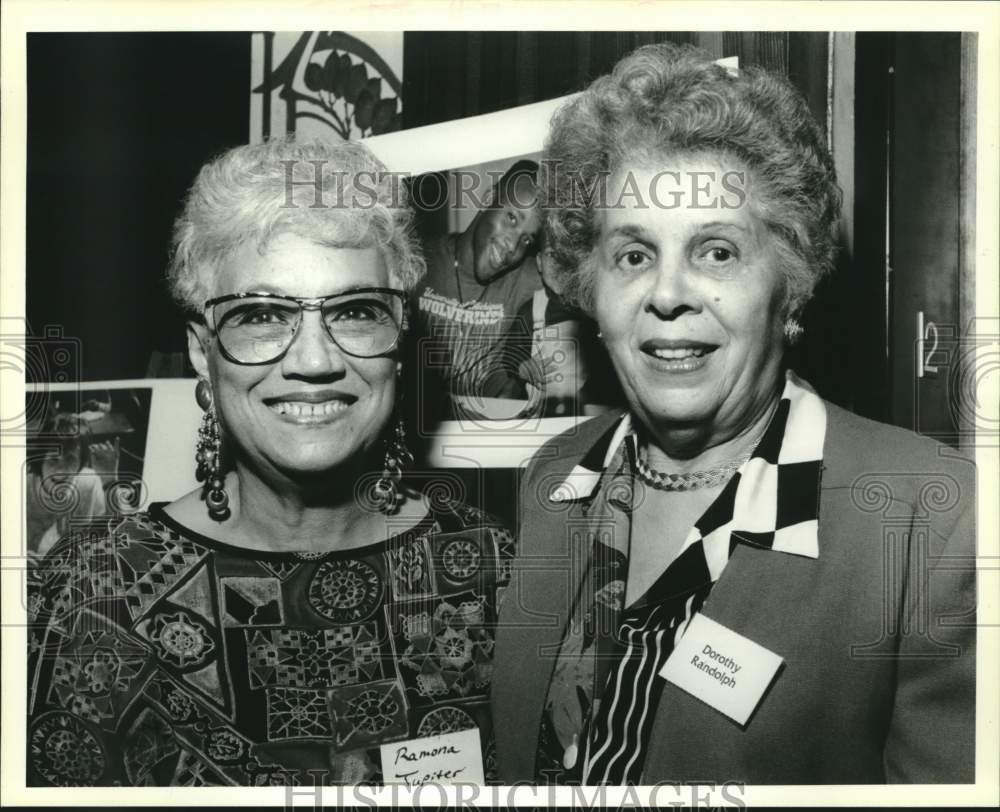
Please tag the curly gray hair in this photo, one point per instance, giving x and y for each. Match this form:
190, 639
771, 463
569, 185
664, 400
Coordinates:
255, 192
668, 99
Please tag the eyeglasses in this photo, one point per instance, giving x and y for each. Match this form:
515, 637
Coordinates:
257, 328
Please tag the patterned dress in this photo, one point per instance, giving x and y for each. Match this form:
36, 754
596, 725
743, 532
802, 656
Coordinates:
159, 657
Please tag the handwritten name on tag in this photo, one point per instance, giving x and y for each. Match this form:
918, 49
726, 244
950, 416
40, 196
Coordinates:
721, 668
452, 758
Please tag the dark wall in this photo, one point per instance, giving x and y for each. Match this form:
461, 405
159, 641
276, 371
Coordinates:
454, 74
118, 125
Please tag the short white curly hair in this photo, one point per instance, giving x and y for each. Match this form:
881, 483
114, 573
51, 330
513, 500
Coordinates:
255, 192
665, 100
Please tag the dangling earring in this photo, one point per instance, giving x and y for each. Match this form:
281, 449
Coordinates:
397, 458
793, 331
209, 456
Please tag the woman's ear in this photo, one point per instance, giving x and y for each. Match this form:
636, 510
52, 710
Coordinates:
548, 271
198, 337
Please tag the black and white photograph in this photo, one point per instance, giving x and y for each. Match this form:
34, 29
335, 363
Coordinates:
83, 451
538, 411
491, 331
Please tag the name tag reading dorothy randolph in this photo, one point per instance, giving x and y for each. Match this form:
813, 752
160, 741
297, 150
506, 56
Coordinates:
452, 758
721, 668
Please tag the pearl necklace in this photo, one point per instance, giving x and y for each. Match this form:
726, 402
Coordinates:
689, 481
692, 480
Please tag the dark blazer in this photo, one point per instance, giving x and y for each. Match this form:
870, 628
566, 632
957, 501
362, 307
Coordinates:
877, 634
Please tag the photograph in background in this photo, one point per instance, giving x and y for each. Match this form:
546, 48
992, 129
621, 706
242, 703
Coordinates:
492, 336
85, 459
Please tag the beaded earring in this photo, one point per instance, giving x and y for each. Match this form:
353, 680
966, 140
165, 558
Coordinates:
209, 456
398, 457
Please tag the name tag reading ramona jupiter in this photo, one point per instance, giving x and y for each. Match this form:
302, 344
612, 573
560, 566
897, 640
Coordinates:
721, 668
452, 758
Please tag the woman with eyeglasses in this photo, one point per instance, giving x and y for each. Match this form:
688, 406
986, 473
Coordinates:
305, 606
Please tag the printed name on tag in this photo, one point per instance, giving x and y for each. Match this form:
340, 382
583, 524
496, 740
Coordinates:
721, 668
452, 758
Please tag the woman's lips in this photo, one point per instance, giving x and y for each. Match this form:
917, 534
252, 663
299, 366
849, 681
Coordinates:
678, 356
687, 352
309, 408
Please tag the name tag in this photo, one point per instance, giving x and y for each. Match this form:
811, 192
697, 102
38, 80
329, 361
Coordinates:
452, 758
721, 668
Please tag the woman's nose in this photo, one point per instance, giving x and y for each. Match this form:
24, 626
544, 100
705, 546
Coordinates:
312, 352
671, 293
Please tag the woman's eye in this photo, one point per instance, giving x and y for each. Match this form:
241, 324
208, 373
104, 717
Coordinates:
719, 254
356, 313
511, 218
262, 316
634, 260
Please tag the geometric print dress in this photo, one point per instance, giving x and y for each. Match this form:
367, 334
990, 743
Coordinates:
160, 657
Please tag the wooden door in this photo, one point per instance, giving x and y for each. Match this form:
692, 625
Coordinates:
931, 140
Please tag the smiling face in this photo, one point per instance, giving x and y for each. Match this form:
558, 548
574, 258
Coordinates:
690, 298
315, 408
507, 232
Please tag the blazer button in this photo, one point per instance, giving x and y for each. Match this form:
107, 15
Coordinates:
570, 754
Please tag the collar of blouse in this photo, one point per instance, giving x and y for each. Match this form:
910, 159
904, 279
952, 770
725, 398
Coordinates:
776, 502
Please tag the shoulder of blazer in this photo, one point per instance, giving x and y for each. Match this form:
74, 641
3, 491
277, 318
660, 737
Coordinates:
568, 449
552, 463
864, 455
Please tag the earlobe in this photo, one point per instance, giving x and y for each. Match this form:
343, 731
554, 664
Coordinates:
198, 338
549, 274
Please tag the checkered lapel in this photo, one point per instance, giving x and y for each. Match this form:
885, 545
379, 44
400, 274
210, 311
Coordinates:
773, 500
